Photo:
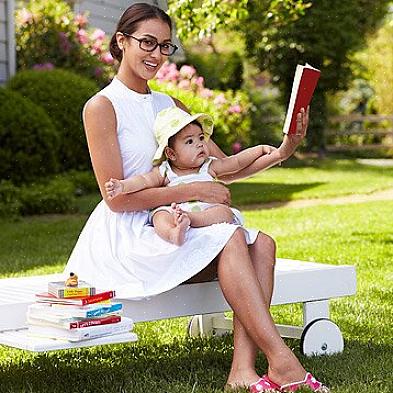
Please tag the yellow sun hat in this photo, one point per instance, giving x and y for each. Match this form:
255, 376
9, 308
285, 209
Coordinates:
170, 121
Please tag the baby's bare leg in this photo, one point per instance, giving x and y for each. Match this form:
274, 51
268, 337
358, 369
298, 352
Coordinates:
172, 227
213, 215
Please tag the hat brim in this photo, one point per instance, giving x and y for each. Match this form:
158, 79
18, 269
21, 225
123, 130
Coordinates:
203, 119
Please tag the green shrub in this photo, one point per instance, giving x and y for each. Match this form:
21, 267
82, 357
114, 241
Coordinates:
10, 204
29, 143
84, 182
55, 197
222, 71
62, 94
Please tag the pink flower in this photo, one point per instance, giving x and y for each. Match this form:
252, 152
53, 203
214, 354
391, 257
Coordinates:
43, 67
80, 20
98, 71
98, 35
220, 99
187, 71
107, 58
168, 72
206, 93
235, 109
64, 43
25, 16
236, 147
96, 48
199, 81
184, 84
82, 36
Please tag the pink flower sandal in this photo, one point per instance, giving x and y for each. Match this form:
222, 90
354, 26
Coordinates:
308, 381
264, 385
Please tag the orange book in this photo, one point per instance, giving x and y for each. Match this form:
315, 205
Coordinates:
79, 301
304, 84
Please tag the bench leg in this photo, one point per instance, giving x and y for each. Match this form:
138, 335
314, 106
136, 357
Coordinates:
210, 325
315, 310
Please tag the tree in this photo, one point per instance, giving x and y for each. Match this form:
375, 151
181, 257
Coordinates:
282, 33
326, 36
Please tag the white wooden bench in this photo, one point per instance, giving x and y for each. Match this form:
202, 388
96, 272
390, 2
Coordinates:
311, 284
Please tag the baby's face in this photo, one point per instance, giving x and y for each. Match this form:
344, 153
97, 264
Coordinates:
190, 147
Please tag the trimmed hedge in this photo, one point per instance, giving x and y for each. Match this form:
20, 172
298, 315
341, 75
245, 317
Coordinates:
62, 94
29, 143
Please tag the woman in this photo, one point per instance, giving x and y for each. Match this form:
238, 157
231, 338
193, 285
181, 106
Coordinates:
117, 250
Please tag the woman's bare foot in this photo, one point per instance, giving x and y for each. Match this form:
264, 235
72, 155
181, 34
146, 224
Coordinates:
181, 223
241, 379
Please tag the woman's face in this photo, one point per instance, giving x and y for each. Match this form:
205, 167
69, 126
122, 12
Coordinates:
144, 65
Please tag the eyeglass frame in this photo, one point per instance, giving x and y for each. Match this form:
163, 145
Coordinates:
140, 40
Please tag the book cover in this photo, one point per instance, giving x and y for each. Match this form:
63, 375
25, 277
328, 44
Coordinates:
65, 310
304, 84
80, 334
71, 323
60, 290
79, 301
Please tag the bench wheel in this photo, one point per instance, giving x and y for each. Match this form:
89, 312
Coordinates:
321, 337
193, 328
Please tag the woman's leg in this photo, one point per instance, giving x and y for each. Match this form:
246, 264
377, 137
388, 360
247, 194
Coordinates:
242, 289
263, 257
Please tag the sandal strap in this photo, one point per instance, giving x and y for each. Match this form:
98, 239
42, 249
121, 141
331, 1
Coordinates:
308, 381
264, 385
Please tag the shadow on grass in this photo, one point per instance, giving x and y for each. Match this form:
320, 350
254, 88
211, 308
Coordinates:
254, 193
197, 365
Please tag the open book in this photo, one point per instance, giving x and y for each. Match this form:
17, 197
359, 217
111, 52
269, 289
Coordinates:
304, 84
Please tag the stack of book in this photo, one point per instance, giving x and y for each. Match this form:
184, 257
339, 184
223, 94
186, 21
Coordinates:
76, 313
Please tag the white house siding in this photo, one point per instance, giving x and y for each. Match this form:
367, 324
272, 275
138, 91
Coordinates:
104, 14
7, 40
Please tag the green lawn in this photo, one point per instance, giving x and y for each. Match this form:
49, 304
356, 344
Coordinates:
166, 360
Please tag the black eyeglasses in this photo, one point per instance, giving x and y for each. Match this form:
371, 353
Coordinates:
149, 45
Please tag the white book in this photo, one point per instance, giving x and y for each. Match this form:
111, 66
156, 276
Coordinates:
69, 311
87, 333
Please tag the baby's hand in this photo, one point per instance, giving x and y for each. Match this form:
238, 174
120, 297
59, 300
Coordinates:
113, 188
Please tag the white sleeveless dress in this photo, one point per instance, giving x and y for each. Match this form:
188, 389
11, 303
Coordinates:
121, 251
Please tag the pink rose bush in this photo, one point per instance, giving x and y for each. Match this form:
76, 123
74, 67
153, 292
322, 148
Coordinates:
230, 109
48, 32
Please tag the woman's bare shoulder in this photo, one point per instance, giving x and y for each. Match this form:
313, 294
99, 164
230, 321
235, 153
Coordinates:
99, 103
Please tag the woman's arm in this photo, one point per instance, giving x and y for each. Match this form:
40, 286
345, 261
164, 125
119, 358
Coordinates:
100, 126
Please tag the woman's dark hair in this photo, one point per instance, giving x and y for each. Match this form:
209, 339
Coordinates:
130, 20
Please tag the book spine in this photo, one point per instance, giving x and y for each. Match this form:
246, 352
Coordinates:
95, 322
72, 292
103, 310
99, 297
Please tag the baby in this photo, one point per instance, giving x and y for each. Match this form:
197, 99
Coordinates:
182, 156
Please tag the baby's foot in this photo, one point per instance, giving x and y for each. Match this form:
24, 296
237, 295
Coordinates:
181, 222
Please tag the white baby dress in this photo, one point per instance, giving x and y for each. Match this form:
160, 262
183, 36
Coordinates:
121, 251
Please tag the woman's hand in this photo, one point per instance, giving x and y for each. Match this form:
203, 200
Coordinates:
292, 141
212, 192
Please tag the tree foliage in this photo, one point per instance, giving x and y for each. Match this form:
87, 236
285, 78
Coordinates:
201, 18
325, 36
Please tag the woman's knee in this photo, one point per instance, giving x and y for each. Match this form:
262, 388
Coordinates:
265, 245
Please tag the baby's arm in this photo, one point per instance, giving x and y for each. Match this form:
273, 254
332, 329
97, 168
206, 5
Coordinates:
152, 179
239, 161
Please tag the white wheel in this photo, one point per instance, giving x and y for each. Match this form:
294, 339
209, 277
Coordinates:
321, 337
193, 328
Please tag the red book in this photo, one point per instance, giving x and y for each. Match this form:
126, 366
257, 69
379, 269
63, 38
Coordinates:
95, 321
304, 84
78, 301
